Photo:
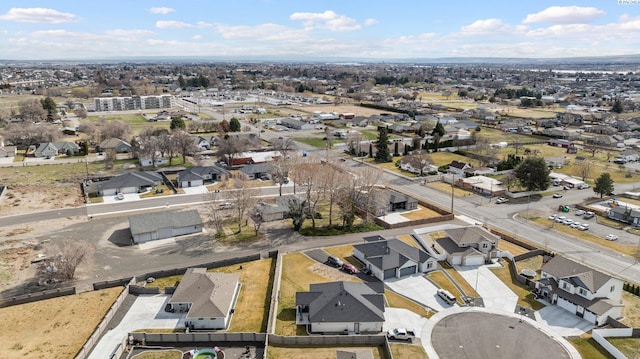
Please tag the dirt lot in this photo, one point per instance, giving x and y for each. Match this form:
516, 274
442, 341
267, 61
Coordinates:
32, 198
359, 111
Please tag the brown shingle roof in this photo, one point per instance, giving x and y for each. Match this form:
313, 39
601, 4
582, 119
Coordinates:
470, 235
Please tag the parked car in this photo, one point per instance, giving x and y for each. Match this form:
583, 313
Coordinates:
588, 215
579, 212
501, 200
401, 334
225, 205
560, 219
611, 237
566, 188
349, 268
552, 217
575, 224
583, 186
119, 196
557, 195
567, 222
446, 296
584, 227
334, 261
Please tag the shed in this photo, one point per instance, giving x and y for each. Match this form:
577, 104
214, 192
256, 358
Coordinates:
161, 225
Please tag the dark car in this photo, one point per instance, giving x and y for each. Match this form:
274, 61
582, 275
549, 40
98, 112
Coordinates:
334, 261
349, 268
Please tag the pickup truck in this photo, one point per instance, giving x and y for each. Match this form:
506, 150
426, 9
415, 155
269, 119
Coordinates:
401, 334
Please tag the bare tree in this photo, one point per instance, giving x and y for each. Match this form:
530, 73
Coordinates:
230, 147
307, 176
367, 178
62, 261
110, 157
214, 212
26, 134
32, 110
281, 168
114, 129
256, 219
183, 144
584, 169
284, 145
591, 148
336, 180
81, 112
243, 197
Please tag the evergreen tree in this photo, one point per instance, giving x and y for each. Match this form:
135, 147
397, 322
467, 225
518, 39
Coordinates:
533, 174
234, 124
603, 184
177, 123
382, 146
617, 107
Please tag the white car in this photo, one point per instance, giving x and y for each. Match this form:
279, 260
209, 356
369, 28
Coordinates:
588, 215
120, 196
501, 200
584, 227
611, 237
560, 219
567, 222
579, 212
575, 225
557, 195
552, 217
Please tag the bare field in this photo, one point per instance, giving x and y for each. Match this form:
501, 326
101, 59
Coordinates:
53, 328
358, 110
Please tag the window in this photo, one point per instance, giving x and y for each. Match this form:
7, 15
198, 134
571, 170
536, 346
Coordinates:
565, 286
613, 287
485, 245
583, 292
429, 265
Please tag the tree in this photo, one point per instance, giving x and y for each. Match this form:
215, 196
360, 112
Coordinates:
32, 110
297, 212
584, 169
81, 112
62, 261
234, 125
306, 175
49, 105
280, 168
603, 184
284, 145
437, 133
181, 82
382, 146
114, 129
617, 106
214, 212
224, 127
177, 123
183, 144
229, 147
363, 189
243, 197
533, 174
509, 181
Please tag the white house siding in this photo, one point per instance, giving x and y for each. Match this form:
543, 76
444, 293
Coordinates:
114, 191
374, 327
142, 237
566, 305
590, 317
473, 260
455, 260
185, 230
187, 184
424, 267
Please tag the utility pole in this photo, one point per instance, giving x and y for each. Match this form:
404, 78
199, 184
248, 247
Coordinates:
453, 177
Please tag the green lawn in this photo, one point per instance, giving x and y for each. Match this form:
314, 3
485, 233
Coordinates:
443, 282
395, 300
630, 347
589, 348
136, 121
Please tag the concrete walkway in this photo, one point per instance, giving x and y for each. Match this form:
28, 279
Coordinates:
495, 294
146, 312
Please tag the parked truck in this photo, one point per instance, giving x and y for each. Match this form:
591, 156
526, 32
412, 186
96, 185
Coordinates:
401, 334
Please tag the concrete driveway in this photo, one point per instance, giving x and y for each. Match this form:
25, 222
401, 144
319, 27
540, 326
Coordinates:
146, 312
419, 289
403, 318
495, 294
127, 197
562, 322
195, 190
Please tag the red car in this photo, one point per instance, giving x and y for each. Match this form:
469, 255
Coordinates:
349, 268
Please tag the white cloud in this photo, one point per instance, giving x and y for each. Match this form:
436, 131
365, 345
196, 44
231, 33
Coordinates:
203, 24
564, 15
369, 22
326, 20
129, 33
484, 27
161, 10
37, 14
263, 32
197, 37
171, 24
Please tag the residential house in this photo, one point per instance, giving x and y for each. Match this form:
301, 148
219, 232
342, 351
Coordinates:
393, 258
556, 142
605, 141
201, 143
468, 246
46, 149
556, 161
161, 225
257, 171
207, 297
417, 164
115, 144
382, 201
198, 176
131, 182
483, 185
583, 291
296, 124
8, 151
276, 211
148, 161
457, 167
342, 307
67, 148
625, 214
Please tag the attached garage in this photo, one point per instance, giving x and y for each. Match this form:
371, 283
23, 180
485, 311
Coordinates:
407, 271
473, 260
390, 273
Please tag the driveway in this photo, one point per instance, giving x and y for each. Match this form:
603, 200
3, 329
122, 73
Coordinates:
495, 294
403, 318
127, 197
146, 312
420, 290
562, 322
195, 190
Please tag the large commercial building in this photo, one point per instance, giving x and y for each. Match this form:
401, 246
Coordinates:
133, 103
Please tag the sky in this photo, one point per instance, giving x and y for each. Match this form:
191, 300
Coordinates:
317, 29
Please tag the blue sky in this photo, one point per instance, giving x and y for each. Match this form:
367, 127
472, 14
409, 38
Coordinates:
80, 29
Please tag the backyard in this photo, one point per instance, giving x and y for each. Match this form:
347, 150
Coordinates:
525, 297
276, 352
251, 310
58, 327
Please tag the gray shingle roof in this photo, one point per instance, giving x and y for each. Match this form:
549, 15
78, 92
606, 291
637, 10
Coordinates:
256, 168
575, 273
391, 253
130, 179
210, 294
149, 222
470, 235
344, 302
